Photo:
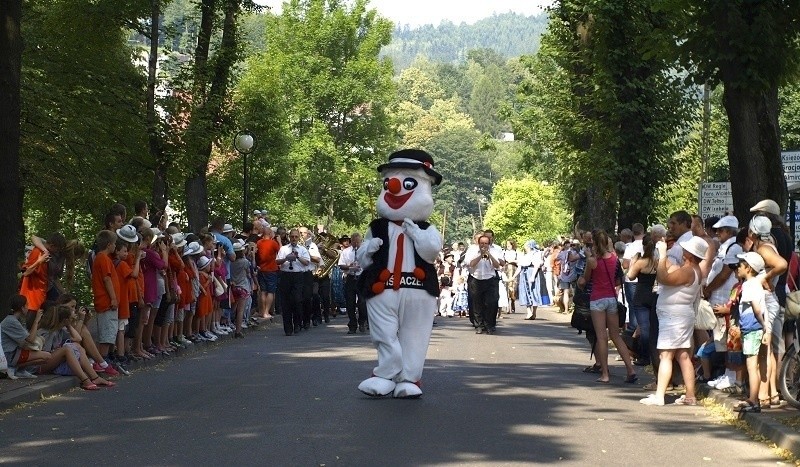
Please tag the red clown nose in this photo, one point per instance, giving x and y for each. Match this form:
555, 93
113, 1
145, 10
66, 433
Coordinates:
394, 186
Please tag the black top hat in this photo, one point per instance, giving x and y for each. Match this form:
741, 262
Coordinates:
344, 238
412, 159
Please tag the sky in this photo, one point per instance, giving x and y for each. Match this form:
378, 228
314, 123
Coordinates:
419, 12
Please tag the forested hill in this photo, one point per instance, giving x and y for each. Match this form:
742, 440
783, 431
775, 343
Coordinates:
510, 34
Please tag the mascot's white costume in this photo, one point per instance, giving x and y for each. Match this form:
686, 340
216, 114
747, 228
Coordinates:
399, 281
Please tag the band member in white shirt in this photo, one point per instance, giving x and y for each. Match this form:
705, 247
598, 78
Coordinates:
356, 306
292, 259
484, 261
310, 287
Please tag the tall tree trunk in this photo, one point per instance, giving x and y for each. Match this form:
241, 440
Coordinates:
207, 118
595, 207
754, 151
160, 186
11, 226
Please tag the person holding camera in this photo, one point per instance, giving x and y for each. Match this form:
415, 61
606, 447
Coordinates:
292, 259
484, 262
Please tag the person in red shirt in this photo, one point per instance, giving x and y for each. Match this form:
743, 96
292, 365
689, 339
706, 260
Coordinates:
106, 291
35, 272
266, 251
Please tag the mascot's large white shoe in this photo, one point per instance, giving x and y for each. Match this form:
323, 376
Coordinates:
406, 390
398, 280
376, 387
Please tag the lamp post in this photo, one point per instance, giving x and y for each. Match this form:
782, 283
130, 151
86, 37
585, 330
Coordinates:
245, 143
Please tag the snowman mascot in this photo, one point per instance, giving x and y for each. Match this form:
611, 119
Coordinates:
399, 281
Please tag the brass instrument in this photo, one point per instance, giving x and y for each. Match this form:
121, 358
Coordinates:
326, 243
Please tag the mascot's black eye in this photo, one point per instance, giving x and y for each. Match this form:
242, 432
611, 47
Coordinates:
386, 184
409, 183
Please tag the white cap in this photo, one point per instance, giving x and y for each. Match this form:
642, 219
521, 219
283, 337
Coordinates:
727, 221
767, 205
753, 259
227, 228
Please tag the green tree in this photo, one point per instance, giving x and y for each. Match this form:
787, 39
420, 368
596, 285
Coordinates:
320, 94
527, 209
751, 48
11, 227
602, 112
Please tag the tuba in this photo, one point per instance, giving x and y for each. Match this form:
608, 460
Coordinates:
326, 243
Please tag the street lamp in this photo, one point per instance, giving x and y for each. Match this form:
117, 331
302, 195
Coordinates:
245, 143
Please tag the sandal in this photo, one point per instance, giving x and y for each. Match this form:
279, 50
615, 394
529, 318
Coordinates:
106, 383
775, 401
747, 407
592, 369
650, 386
683, 400
632, 379
734, 390
90, 386
764, 403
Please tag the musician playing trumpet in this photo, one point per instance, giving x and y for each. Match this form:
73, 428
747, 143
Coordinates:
356, 306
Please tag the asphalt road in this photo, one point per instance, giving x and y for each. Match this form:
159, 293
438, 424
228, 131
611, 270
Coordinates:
516, 398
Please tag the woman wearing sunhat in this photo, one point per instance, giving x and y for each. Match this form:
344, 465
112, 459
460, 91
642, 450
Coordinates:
675, 310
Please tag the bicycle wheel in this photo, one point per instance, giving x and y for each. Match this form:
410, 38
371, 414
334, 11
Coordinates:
789, 377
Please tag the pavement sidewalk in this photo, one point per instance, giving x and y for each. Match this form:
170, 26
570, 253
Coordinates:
779, 425
14, 392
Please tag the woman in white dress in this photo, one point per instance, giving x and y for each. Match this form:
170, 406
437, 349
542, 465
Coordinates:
675, 310
531, 288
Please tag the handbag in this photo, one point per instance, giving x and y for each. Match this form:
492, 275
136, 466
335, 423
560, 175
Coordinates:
219, 287
792, 302
36, 345
581, 319
704, 317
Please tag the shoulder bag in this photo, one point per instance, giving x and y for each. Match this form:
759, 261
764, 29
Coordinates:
792, 301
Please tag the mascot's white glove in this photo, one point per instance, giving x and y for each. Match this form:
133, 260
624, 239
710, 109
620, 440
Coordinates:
368, 248
427, 242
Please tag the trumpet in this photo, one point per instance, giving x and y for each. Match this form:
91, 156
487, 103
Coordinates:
328, 254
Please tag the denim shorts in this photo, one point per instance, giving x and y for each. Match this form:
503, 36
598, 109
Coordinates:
268, 281
608, 305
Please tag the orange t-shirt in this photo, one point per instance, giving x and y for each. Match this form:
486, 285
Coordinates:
103, 267
133, 284
186, 288
34, 285
124, 272
266, 252
204, 304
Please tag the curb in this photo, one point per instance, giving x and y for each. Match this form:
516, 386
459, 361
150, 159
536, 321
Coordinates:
50, 385
762, 423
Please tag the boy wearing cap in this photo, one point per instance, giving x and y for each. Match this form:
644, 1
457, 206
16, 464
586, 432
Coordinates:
755, 341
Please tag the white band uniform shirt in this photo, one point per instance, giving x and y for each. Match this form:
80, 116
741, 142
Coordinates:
484, 269
296, 266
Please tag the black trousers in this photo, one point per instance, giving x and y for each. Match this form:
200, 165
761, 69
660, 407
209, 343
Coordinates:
308, 297
356, 306
485, 294
290, 293
322, 299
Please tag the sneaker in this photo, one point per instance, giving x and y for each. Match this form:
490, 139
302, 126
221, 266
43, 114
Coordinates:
209, 336
652, 399
97, 368
25, 374
183, 340
120, 368
110, 371
724, 384
716, 381
11, 373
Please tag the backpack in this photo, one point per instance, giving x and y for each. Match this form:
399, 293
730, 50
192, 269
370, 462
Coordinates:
568, 271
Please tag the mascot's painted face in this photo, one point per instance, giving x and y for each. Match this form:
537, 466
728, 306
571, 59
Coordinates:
406, 193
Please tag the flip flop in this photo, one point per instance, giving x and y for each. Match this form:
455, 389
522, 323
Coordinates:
89, 387
598, 380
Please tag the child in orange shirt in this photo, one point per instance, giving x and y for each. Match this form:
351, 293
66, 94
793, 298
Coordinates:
106, 291
204, 301
125, 273
35, 278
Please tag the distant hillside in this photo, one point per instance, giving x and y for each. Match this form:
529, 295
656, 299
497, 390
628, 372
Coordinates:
510, 34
